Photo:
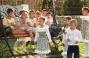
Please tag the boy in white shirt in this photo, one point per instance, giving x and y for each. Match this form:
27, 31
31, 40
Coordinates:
73, 37
31, 23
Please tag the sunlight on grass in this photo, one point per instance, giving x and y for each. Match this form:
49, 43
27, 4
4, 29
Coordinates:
31, 48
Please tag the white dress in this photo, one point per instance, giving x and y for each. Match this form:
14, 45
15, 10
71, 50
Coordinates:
85, 27
42, 38
65, 41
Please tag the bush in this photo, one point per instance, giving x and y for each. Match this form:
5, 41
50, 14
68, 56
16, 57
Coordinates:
72, 7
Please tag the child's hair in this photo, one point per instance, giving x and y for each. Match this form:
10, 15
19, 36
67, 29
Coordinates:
42, 18
44, 10
69, 18
49, 13
32, 11
38, 13
73, 21
21, 11
85, 8
9, 10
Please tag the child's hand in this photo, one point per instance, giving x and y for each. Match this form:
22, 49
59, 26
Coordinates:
76, 42
35, 42
68, 40
12, 23
62, 44
49, 42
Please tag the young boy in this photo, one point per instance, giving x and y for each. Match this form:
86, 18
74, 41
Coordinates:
31, 23
37, 15
73, 37
44, 13
9, 20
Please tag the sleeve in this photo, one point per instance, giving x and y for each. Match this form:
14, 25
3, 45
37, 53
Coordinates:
85, 18
5, 22
48, 34
36, 36
80, 37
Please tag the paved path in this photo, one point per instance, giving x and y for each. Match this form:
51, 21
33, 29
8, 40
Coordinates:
35, 56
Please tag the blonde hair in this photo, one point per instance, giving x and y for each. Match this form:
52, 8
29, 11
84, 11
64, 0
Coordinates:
74, 21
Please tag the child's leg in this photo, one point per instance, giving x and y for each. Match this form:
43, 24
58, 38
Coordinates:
70, 51
76, 52
15, 46
24, 46
87, 49
31, 34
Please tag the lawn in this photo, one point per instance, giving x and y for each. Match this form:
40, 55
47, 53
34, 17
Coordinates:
31, 48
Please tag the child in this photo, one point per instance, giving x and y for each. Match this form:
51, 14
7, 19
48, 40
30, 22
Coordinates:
73, 38
31, 23
23, 25
85, 27
49, 20
44, 13
9, 20
38, 15
42, 39
65, 30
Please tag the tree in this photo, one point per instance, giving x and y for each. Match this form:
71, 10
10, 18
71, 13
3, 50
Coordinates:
72, 7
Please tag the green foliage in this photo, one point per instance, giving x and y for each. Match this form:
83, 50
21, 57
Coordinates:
72, 7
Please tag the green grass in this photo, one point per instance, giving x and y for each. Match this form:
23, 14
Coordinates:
31, 48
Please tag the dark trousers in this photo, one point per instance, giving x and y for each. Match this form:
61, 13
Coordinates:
71, 50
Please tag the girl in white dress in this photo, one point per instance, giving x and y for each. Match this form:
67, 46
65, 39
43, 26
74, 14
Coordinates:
85, 28
42, 39
65, 30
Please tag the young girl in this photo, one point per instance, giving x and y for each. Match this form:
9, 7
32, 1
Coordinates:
42, 39
64, 41
85, 27
23, 25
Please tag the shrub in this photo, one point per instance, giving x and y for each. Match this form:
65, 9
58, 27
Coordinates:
71, 7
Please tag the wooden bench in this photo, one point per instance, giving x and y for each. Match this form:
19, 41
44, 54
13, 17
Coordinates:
20, 33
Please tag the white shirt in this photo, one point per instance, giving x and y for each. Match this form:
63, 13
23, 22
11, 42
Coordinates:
44, 29
73, 35
49, 21
85, 18
31, 21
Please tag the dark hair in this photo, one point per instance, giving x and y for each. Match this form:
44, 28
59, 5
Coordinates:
31, 10
44, 10
42, 18
49, 13
9, 10
69, 18
85, 8
21, 11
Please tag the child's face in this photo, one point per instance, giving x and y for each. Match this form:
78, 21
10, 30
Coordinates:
41, 22
11, 14
32, 14
84, 12
23, 14
49, 15
72, 26
66, 21
44, 13
38, 15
